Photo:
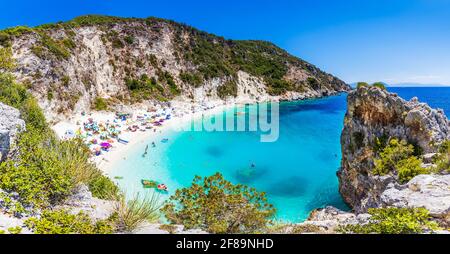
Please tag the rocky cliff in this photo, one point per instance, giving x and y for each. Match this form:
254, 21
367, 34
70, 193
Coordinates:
74, 66
374, 114
10, 125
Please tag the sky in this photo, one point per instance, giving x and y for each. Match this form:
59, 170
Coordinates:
394, 41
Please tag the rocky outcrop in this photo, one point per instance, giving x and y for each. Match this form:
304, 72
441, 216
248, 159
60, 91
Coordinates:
69, 65
375, 113
10, 126
429, 191
82, 201
329, 219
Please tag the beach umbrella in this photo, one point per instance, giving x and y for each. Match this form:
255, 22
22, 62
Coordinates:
105, 145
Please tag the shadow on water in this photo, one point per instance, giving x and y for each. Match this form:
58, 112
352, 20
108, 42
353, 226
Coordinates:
250, 174
325, 155
326, 194
214, 151
289, 187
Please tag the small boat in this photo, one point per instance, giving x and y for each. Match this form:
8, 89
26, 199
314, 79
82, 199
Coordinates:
118, 177
165, 140
149, 183
162, 187
123, 140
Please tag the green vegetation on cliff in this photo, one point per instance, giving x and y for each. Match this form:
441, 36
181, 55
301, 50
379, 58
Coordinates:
203, 56
398, 156
395, 221
43, 170
62, 222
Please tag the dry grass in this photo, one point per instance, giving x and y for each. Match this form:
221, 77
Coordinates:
132, 213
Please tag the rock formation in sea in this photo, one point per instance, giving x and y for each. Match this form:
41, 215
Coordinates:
91, 60
374, 114
10, 125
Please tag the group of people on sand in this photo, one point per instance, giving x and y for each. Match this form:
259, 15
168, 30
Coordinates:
100, 135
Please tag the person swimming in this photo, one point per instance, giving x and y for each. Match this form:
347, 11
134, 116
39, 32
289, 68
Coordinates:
145, 152
153, 144
253, 165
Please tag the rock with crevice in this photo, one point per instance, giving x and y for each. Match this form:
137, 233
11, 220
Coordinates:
10, 125
327, 220
82, 201
375, 113
428, 191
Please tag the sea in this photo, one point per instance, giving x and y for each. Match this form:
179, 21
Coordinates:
297, 171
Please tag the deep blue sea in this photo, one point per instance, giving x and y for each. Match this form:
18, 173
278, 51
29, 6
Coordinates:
298, 171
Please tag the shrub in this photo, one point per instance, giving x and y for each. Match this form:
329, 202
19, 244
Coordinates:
131, 214
194, 79
44, 170
399, 156
394, 221
313, 82
57, 48
442, 161
229, 88
391, 155
102, 187
379, 85
278, 86
361, 84
15, 230
129, 39
7, 62
100, 104
62, 222
36, 174
409, 168
117, 43
358, 139
218, 206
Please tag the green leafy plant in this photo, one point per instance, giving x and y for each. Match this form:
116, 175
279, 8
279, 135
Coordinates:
63, 222
218, 206
229, 88
15, 230
361, 84
442, 160
409, 168
102, 187
398, 157
379, 85
45, 169
100, 104
394, 221
7, 62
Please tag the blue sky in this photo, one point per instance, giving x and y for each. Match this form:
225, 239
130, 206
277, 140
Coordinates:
395, 41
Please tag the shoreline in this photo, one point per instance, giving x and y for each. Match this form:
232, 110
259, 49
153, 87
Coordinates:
106, 161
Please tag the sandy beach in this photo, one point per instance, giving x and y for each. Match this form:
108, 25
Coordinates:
105, 160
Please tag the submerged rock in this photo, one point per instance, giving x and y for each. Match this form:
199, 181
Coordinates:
10, 125
375, 113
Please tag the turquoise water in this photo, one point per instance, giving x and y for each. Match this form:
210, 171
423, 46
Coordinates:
298, 172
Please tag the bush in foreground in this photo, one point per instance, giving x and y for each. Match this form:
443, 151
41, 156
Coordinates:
43, 170
394, 221
218, 206
62, 222
132, 213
